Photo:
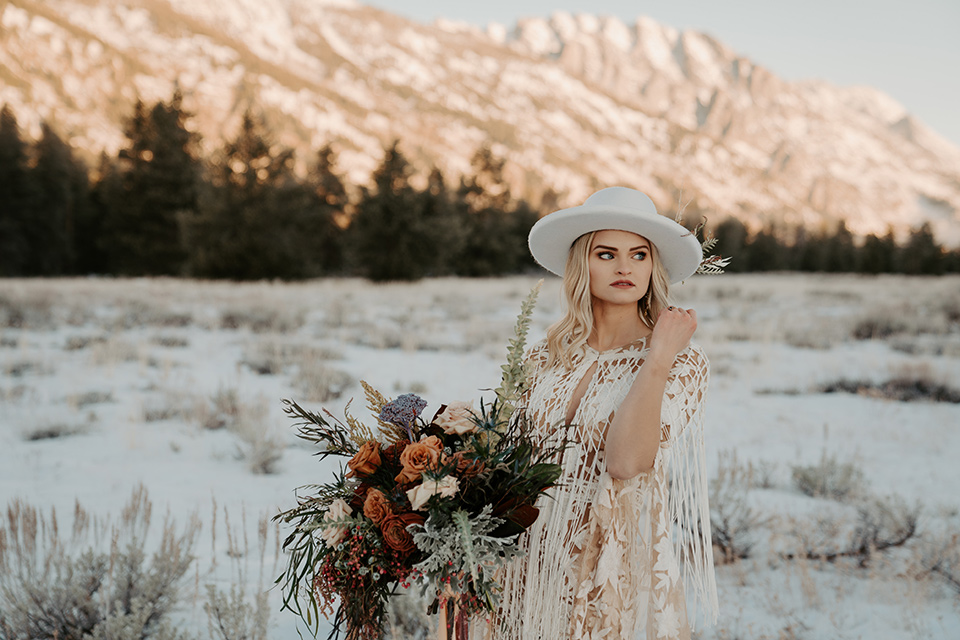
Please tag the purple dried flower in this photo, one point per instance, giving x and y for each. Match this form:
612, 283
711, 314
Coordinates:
403, 411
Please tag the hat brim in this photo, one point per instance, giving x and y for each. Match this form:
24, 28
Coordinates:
551, 237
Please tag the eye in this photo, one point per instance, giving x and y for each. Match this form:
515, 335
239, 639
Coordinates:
605, 255
640, 255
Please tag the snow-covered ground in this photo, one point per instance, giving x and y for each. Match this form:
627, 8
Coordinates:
107, 384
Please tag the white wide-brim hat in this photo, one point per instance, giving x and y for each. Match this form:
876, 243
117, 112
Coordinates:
617, 208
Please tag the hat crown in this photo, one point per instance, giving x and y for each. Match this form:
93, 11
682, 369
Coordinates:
622, 198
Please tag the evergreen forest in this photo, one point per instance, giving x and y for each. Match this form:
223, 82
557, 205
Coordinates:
244, 213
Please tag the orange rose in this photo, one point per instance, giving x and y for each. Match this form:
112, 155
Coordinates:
376, 507
395, 534
366, 461
465, 466
418, 457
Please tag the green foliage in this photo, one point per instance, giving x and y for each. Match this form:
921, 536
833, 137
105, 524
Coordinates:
465, 546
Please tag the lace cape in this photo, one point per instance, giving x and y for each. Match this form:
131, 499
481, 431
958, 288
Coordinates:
608, 558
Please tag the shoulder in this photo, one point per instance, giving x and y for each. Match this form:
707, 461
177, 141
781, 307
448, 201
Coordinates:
538, 353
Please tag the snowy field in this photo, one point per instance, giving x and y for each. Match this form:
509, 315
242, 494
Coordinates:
108, 385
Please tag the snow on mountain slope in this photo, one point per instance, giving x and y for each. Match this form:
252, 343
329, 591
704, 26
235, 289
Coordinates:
573, 102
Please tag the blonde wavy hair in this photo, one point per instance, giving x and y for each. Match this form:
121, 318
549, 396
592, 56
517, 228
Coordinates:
569, 334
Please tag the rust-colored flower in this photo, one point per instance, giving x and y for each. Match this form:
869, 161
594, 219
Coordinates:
418, 457
366, 461
395, 534
376, 507
466, 467
391, 455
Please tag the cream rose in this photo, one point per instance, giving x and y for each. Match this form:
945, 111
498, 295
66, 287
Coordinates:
457, 418
420, 494
337, 511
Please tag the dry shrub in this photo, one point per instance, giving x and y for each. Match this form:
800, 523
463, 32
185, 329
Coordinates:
878, 328
93, 581
20, 368
113, 351
171, 342
271, 357
230, 615
54, 431
938, 555
317, 382
76, 343
829, 478
733, 521
904, 388
881, 524
263, 319
261, 446
29, 311
81, 400
140, 313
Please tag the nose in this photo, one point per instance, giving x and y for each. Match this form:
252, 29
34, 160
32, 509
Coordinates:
623, 266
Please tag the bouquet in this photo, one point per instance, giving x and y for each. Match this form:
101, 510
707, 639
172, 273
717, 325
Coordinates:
438, 502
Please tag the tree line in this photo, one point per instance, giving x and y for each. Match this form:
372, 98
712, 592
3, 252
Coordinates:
833, 251
243, 213
158, 208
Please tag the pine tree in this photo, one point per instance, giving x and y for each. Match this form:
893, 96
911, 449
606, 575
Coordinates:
389, 236
17, 199
764, 252
327, 208
495, 238
878, 255
154, 191
440, 217
63, 190
922, 254
731, 235
90, 246
840, 254
255, 219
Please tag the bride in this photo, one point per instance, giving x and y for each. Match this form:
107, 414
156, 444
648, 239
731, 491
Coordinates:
625, 537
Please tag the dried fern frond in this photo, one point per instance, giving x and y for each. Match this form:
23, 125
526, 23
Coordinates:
375, 402
712, 265
359, 432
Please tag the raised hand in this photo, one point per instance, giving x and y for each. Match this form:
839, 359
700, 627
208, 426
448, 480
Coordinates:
671, 334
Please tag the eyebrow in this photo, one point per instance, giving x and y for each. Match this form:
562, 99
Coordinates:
603, 246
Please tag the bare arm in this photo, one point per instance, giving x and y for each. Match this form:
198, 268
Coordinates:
633, 437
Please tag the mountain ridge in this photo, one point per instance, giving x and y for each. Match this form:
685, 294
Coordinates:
571, 102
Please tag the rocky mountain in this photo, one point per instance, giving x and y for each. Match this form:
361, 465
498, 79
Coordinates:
572, 102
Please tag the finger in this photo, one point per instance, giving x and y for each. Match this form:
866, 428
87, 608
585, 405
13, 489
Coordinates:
693, 313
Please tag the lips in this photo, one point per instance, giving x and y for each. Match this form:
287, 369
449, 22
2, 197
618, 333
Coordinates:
622, 284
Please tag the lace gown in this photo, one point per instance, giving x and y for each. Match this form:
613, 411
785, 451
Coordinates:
607, 558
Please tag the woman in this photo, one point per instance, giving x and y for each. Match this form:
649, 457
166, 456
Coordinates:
628, 530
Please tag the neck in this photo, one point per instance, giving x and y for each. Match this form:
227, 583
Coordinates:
615, 325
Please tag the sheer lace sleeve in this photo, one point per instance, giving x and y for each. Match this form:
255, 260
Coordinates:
683, 452
684, 393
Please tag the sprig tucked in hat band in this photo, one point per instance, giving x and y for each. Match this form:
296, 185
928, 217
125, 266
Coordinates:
710, 265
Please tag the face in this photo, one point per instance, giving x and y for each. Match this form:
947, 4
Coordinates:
620, 267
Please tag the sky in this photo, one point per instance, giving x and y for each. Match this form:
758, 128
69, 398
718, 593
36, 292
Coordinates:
910, 50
